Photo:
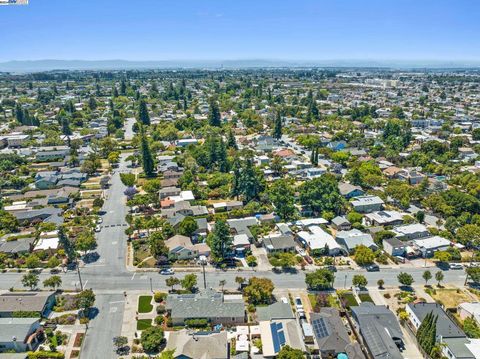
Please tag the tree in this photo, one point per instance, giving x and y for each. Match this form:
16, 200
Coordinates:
405, 279
359, 280
220, 241
32, 261
471, 328
427, 275
214, 113
364, 255
119, 342
250, 181
147, 159
427, 333
222, 283
86, 300
289, 353
322, 194
172, 281
320, 279
143, 116
380, 283
188, 226
442, 256
282, 196
152, 339
240, 280
66, 244
259, 290
167, 354
469, 234
30, 280
189, 282
113, 157
439, 277
8, 222
128, 179
157, 245
277, 126
473, 273
85, 242
53, 282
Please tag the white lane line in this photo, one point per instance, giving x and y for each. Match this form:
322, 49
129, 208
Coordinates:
116, 302
113, 309
133, 276
114, 242
85, 283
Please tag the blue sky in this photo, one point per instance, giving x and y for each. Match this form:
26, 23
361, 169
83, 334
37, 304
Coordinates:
241, 29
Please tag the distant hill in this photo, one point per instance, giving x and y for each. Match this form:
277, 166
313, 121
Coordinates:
48, 65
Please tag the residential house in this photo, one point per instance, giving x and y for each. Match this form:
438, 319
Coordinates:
460, 348
279, 243
337, 145
380, 330
317, 240
52, 155
216, 307
341, 223
241, 244
47, 214
38, 302
241, 225
394, 247
411, 176
367, 204
428, 246
275, 311
348, 190
227, 206
20, 334
384, 218
186, 344
166, 192
411, 231
331, 336
468, 310
353, 238
446, 327
277, 333
181, 247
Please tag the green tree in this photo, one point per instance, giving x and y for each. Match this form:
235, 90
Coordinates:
143, 116
8, 222
119, 342
220, 241
289, 353
364, 255
172, 282
321, 279
30, 280
469, 234
471, 328
33, 261
259, 291
427, 275
85, 242
189, 282
439, 277
277, 126
86, 300
53, 282
322, 194
157, 245
152, 339
188, 226
380, 283
128, 179
405, 279
214, 113
66, 244
282, 197
147, 159
359, 280
474, 274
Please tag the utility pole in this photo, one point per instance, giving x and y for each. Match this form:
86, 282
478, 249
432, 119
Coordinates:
204, 278
79, 276
345, 283
151, 287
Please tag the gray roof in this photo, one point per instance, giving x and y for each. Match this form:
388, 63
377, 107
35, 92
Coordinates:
17, 246
339, 220
458, 348
353, 238
24, 301
379, 328
18, 328
279, 242
346, 188
329, 331
277, 310
201, 345
446, 327
205, 304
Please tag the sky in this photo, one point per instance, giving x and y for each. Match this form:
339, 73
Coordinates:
440, 30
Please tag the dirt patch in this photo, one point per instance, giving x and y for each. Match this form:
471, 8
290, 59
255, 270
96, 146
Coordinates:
451, 298
78, 339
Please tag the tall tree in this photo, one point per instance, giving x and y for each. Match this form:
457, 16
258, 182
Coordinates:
277, 126
147, 158
143, 116
220, 241
214, 113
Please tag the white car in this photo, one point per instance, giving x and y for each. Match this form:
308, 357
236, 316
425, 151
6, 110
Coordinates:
99, 221
284, 300
298, 303
98, 229
167, 271
455, 266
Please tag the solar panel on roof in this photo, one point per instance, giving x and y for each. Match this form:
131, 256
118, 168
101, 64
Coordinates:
320, 328
278, 336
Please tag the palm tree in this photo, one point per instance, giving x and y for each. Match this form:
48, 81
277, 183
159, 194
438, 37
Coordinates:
222, 283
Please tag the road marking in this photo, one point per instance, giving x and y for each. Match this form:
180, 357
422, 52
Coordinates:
114, 242
143, 277
85, 283
133, 276
117, 301
113, 309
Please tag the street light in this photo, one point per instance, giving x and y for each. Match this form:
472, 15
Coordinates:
345, 283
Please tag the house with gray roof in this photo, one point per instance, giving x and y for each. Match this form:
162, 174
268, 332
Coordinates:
348, 190
341, 223
240, 225
367, 204
38, 302
331, 336
279, 243
380, 330
198, 345
460, 348
353, 238
208, 304
394, 246
277, 310
446, 327
19, 334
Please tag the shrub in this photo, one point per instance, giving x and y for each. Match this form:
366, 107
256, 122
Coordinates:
160, 309
196, 323
159, 320
159, 297
45, 355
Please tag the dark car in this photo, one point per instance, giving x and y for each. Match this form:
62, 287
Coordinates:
373, 268
331, 268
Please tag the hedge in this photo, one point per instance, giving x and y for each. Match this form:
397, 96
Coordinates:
196, 323
45, 355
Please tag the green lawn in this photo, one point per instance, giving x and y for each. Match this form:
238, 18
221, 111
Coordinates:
143, 324
365, 297
349, 299
145, 304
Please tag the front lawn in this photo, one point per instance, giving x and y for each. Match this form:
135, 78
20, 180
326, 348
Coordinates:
145, 304
450, 298
143, 324
348, 299
365, 297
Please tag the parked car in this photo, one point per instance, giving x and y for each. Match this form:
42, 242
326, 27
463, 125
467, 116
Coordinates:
99, 220
400, 259
331, 268
284, 300
167, 271
298, 303
455, 266
308, 259
373, 268
98, 229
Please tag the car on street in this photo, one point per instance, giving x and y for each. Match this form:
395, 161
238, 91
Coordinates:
98, 229
455, 266
99, 221
373, 268
167, 271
